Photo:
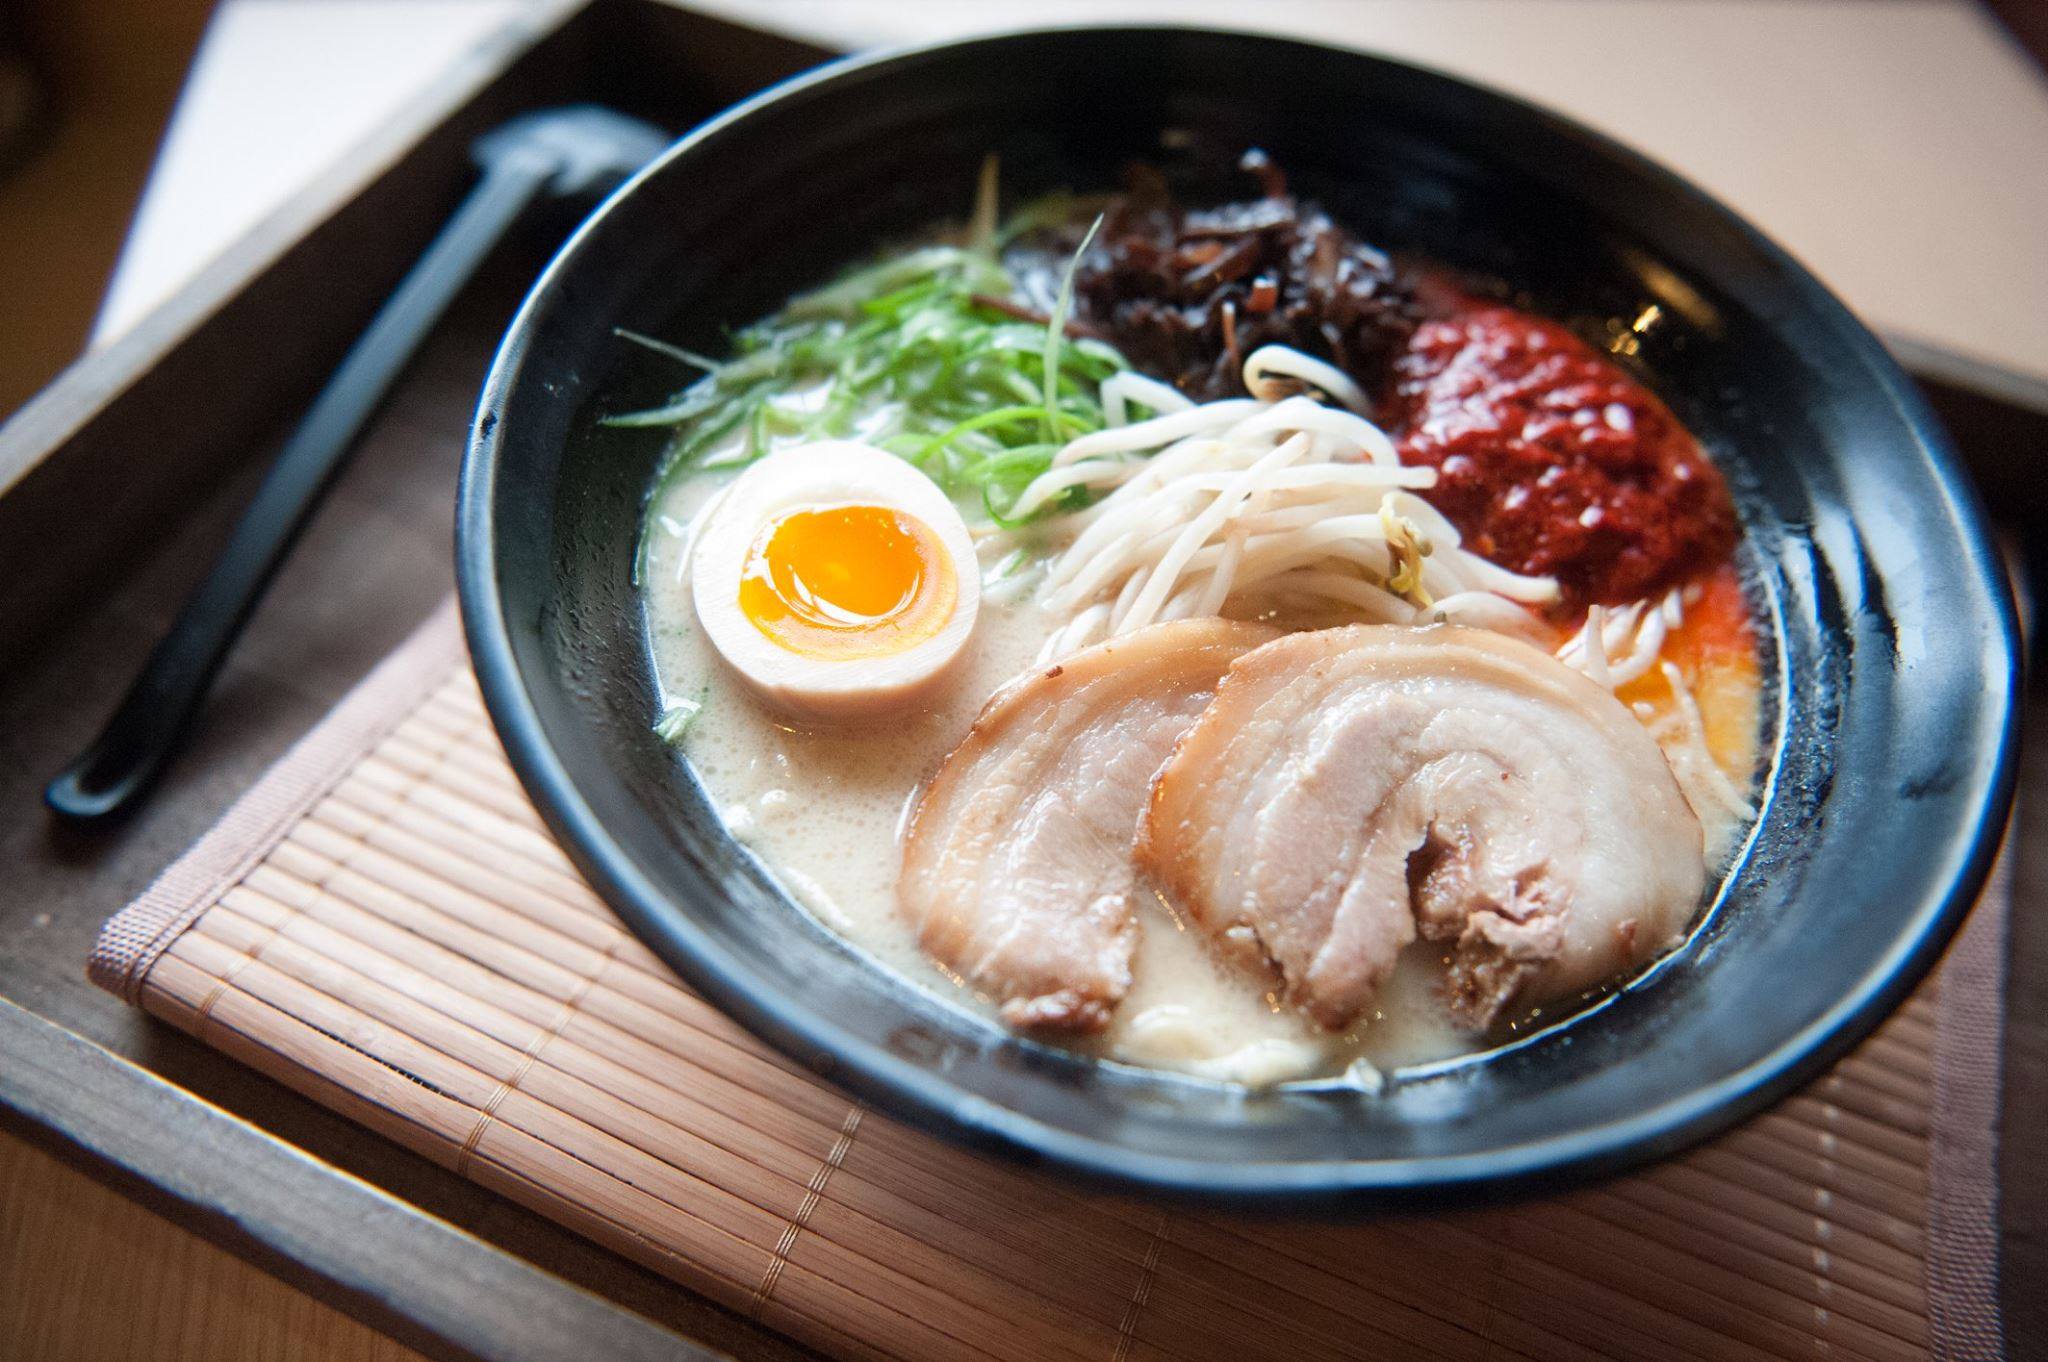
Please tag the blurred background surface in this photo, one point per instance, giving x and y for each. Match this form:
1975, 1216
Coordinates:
1899, 146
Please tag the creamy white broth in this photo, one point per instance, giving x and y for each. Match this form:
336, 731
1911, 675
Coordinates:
823, 809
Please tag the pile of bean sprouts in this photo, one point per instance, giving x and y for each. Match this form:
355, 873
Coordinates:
1274, 504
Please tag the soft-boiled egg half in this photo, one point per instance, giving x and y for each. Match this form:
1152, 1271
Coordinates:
836, 579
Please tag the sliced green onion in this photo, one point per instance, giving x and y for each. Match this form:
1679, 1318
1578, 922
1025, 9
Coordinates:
976, 398
662, 347
1056, 328
675, 721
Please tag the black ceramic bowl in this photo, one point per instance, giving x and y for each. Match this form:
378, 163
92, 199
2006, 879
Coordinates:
1890, 632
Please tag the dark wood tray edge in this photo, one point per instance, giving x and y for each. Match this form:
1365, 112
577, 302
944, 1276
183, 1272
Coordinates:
361, 1250
1941, 365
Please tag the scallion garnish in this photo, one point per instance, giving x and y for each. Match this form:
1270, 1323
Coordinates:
1056, 334
924, 353
675, 721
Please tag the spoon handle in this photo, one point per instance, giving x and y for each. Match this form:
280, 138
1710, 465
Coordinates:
145, 730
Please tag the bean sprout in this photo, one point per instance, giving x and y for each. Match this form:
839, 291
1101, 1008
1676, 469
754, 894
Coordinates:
1614, 647
1273, 371
1121, 387
1157, 432
1275, 505
1683, 736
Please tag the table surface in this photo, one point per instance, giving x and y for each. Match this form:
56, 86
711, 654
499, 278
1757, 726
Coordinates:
1927, 126
1899, 147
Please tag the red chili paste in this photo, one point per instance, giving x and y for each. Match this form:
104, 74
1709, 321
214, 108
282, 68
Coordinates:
1553, 461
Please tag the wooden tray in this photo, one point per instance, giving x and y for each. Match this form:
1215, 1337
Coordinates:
383, 924
117, 486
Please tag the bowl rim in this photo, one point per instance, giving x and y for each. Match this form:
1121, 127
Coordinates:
933, 1102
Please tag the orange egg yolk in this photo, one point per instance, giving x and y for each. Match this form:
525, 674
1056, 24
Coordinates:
846, 582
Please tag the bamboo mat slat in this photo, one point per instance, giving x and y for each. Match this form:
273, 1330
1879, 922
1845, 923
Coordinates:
384, 925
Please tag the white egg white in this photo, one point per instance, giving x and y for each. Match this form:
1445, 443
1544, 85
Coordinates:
825, 474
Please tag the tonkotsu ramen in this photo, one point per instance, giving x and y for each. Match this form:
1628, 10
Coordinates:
1185, 634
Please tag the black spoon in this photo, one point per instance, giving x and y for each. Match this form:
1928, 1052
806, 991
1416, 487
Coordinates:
556, 153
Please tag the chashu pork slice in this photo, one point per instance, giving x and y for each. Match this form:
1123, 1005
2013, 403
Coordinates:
1017, 869
1351, 789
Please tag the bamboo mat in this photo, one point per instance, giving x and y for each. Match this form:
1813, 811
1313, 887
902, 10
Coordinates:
384, 925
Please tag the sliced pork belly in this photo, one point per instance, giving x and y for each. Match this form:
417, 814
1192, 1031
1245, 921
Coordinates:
1017, 869
1352, 788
